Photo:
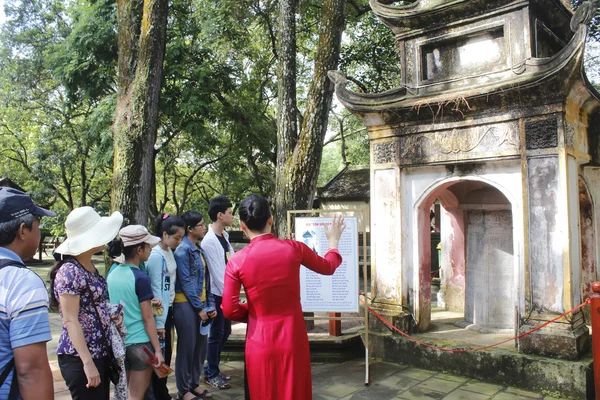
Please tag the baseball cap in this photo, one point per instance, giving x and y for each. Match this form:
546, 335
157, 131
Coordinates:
15, 204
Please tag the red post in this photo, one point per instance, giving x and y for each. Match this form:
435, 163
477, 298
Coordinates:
595, 312
335, 326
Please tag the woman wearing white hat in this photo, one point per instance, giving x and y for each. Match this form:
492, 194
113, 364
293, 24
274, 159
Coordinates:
81, 295
128, 284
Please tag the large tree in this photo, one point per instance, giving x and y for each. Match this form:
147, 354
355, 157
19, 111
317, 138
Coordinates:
299, 152
142, 29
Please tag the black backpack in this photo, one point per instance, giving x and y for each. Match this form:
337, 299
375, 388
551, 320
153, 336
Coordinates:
14, 385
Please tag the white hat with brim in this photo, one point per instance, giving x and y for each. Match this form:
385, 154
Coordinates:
86, 230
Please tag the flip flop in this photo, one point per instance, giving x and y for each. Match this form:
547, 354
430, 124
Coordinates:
205, 394
180, 397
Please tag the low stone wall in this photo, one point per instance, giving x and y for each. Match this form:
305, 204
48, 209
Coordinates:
572, 379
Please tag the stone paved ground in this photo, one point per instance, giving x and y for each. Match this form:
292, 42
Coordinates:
338, 381
346, 381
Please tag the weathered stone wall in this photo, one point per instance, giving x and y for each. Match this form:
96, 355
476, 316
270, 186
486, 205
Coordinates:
385, 236
452, 285
546, 234
466, 54
490, 297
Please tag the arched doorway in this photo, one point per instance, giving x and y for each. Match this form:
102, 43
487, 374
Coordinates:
478, 265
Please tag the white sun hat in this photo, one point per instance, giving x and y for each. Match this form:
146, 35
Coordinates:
86, 229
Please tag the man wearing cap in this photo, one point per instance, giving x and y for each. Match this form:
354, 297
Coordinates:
24, 326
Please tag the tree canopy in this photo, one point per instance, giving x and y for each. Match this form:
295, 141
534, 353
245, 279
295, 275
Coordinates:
217, 115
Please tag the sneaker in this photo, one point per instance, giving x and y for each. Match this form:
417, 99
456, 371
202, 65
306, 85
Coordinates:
218, 382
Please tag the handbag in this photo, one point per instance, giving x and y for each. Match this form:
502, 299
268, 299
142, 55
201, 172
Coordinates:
114, 369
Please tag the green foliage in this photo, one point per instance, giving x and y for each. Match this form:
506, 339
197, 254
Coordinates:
369, 55
55, 141
217, 131
217, 128
594, 25
84, 63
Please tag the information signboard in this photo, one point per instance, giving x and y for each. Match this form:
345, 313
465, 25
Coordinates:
337, 292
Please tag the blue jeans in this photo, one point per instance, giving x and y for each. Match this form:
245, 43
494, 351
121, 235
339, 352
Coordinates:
219, 333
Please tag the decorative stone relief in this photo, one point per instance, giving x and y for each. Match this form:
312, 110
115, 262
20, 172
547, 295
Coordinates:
541, 133
466, 143
385, 152
569, 135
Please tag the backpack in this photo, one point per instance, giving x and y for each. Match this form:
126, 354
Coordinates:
14, 385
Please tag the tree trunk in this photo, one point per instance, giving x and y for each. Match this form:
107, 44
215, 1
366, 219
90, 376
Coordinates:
299, 157
142, 29
287, 126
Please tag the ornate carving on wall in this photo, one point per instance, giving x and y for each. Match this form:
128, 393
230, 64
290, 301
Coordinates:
385, 152
466, 143
541, 133
569, 135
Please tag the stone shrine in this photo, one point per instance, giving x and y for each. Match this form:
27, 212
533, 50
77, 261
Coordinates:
494, 119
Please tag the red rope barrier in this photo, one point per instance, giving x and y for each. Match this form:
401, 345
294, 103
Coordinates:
537, 328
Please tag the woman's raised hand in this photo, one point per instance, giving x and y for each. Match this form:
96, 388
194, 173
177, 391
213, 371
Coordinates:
333, 231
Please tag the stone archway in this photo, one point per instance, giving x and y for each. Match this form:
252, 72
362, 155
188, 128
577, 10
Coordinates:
478, 275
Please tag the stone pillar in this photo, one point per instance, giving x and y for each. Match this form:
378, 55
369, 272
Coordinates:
554, 251
386, 277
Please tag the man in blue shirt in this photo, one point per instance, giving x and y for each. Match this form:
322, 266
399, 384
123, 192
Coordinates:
24, 326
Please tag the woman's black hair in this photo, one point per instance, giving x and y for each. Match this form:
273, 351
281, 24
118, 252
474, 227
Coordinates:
255, 212
115, 248
167, 223
60, 260
191, 219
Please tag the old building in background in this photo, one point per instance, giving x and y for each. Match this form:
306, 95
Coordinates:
494, 119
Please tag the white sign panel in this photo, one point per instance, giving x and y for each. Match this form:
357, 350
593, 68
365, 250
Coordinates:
338, 292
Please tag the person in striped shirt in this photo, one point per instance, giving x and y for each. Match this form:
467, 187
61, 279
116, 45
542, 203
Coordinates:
24, 325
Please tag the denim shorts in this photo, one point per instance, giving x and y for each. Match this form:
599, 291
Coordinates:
135, 358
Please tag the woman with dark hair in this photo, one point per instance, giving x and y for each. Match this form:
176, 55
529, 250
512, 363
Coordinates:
194, 304
80, 294
131, 286
277, 352
161, 268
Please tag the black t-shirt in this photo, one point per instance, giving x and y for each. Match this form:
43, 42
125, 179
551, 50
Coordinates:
225, 245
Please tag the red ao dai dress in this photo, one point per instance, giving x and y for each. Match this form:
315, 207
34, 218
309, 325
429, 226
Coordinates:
277, 350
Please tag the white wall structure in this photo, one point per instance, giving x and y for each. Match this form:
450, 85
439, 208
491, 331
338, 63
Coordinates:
492, 118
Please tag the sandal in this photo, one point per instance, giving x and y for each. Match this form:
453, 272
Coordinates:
205, 394
218, 382
180, 397
225, 377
